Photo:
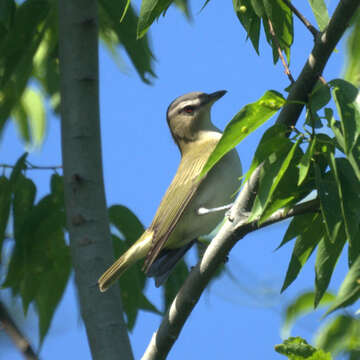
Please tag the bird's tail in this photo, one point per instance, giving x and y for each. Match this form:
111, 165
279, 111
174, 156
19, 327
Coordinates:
135, 253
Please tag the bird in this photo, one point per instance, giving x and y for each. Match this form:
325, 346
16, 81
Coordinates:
177, 223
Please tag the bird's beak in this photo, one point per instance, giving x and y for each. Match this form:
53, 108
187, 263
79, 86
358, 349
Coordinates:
215, 96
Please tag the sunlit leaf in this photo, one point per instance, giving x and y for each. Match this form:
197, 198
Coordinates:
296, 348
352, 67
247, 120
320, 12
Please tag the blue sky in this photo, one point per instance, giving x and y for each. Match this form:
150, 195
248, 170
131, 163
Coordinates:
235, 316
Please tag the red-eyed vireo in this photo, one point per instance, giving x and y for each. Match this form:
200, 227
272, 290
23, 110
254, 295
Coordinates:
176, 224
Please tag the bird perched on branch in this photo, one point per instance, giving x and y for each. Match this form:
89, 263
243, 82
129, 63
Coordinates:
177, 223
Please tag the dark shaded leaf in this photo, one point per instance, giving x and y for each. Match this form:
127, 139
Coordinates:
305, 162
329, 203
299, 224
349, 290
281, 18
247, 120
5, 201
17, 51
344, 94
53, 278
7, 12
249, 20
138, 50
149, 11
304, 246
326, 259
18, 167
126, 222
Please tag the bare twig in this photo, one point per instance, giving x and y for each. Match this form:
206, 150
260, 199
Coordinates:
33, 167
302, 18
15, 334
277, 44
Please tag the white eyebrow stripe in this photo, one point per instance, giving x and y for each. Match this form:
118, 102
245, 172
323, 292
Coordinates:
182, 104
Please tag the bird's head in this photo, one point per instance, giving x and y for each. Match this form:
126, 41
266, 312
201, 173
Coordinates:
188, 116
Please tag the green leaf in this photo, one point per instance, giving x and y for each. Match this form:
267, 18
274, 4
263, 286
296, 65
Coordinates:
349, 201
149, 11
320, 96
30, 117
183, 5
352, 64
301, 306
145, 304
329, 203
282, 21
57, 189
299, 224
341, 334
320, 12
276, 181
174, 282
19, 166
326, 259
349, 290
305, 162
249, 20
7, 12
56, 272
247, 120
274, 140
17, 51
303, 248
126, 222
138, 50
345, 94
5, 201
350, 187
296, 348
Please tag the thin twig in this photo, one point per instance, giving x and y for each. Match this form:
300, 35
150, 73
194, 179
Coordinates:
277, 44
15, 334
33, 167
302, 18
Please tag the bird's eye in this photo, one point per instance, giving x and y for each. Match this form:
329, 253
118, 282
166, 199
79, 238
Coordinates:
189, 109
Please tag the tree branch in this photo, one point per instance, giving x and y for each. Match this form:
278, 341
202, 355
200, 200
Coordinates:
86, 210
324, 45
231, 232
236, 227
15, 334
302, 18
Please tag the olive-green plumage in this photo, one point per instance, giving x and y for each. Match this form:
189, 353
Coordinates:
176, 223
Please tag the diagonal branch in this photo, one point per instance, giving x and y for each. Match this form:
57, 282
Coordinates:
302, 18
15, 334
236, 227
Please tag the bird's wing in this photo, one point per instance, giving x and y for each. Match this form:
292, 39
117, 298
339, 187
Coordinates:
176, 199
